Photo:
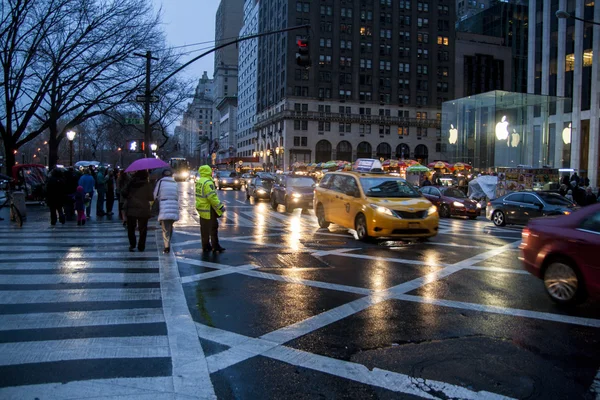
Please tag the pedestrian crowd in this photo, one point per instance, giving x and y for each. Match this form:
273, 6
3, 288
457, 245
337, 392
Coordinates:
69, 194
578, 190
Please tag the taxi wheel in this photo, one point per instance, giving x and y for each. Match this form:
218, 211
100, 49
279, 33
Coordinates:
361, 228
274, 203
321, 217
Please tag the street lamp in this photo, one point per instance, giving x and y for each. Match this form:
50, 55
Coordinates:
71, 137
153, 147
563, 14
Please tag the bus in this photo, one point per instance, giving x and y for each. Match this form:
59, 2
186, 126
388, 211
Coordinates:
181, 168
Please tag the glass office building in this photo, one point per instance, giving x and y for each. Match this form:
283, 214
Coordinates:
504, 129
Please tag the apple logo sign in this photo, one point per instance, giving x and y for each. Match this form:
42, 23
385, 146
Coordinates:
566, 134
515, 139
453, 134
502, 129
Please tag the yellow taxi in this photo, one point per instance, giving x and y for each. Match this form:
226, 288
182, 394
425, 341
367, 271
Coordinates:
374, 204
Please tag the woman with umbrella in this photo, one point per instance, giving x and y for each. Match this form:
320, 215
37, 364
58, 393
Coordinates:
138, 195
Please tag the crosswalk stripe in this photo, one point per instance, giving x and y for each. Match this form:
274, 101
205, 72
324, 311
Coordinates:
66, 265
87, 349
77, 278
77, 295
80, 318
236, 218
82, 255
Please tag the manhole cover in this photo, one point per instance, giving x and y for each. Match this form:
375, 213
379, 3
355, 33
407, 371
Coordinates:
324, 243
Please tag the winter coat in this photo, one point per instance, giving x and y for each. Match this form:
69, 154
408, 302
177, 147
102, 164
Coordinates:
79, 199
138, 194
206, 196
167, 192
88, 183
55, 191
101, 181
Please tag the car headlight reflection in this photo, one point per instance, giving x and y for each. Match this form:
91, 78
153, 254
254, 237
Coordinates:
223, 181
431, 210
261, 191
236, 181
296, 195
382, 210
458, 205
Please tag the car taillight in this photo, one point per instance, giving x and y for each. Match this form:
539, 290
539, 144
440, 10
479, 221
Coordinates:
525, 235
489, 203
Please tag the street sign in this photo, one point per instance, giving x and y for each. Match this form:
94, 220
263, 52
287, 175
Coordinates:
134, 121
240, 162
141, 98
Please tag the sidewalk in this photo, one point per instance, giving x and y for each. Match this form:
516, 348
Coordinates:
81, 316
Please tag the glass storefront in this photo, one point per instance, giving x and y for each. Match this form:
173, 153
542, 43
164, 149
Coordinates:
500, 129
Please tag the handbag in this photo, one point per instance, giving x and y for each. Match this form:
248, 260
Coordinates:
155, 209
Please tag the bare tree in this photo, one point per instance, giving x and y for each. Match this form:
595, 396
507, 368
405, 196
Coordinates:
74, 63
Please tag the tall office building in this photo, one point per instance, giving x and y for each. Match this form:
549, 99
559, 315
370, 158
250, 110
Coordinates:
468, 8
248, 56
561, 64
380, 71
228, 22
196, 127
507, 20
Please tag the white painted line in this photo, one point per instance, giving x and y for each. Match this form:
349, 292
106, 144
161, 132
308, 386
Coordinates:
77, 295
81, 254
201, 263
389, 380
190, 371
385, 259
498, 269
306, 282
217, 273
241, 202
79, 277
481, 235
158, 388
186, 243
237, 219
514, 312
261, 220
71, 266
83, 349
80, 318
221, 336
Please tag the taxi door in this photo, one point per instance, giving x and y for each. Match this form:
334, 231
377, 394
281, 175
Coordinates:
347, 201
337, 206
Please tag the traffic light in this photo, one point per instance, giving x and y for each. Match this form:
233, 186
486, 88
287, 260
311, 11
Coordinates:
303, 56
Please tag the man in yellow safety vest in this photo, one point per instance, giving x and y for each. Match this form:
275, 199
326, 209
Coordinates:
209, 208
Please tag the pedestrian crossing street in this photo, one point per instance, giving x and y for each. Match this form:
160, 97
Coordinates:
76, 305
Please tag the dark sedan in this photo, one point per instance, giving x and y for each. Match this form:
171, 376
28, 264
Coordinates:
451, 201
227, 179
260, 187
520, 207
294, 191
563, 251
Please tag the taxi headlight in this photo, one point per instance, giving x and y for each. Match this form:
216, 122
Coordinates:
383, 210
431, 210
296, 195
458, 205
236, 181
261, 191
478, 205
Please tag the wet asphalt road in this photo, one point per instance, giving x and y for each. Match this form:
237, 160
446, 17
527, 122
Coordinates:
302, 312
287, 311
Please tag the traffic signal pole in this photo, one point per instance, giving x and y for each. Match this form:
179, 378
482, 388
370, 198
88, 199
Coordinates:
147, 93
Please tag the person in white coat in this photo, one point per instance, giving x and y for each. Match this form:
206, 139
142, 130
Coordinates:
167, 193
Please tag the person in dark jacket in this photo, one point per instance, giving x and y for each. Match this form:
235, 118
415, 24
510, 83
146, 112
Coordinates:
579, 195
122, 182
138, 194
88, 182
590, 198
71, 183
426, 182
55, 196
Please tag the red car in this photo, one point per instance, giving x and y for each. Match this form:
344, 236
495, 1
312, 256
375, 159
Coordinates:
563, 252
451, 201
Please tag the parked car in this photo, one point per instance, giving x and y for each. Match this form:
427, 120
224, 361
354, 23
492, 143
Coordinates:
374, 205
227, 179
260, 187
451, 201
520, 207
293, 191
562, 252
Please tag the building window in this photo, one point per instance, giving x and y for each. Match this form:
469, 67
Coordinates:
443, 40
403, 131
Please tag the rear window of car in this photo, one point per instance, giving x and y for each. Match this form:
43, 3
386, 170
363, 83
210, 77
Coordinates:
388, 187
227, 174
554, 199
300, 182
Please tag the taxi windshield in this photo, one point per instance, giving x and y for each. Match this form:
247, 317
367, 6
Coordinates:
388, 187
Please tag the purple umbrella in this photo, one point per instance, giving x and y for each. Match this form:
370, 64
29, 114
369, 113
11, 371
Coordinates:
146, 163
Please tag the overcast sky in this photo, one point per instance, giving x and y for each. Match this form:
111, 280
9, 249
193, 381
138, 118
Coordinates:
187, 22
